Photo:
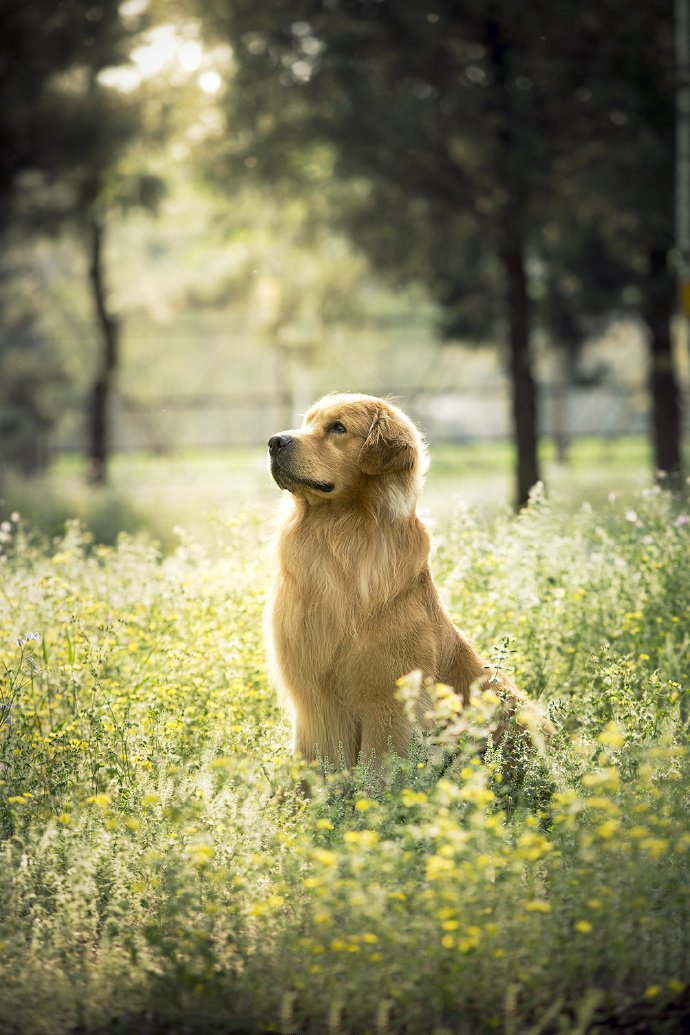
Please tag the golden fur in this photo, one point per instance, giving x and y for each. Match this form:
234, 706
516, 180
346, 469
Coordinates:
354, 606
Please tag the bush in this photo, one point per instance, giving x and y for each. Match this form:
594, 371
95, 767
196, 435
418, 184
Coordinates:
163, 873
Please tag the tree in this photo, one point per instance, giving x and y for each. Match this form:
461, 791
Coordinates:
426, 109
484, 141
610, 233
50, 56
104, 193
62, 135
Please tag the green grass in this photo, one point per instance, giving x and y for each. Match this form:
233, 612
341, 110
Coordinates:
159, 493
162, 874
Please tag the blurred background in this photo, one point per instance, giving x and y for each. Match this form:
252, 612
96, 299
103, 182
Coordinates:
214, 211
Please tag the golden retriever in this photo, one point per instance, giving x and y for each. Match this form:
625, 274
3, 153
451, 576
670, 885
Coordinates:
354, 606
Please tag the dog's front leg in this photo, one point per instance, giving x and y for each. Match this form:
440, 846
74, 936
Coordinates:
385, 728
323, 729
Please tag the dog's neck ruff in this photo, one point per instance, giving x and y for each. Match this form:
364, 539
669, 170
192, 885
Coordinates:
357, 560
398, 503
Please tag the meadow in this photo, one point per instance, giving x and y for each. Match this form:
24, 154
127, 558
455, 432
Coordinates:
163, 873
155, 493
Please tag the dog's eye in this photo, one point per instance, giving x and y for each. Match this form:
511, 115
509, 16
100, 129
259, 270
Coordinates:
337, 428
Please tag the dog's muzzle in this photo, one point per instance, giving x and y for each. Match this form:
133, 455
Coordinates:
280, 452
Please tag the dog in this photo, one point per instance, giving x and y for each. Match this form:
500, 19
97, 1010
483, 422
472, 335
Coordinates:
354, 606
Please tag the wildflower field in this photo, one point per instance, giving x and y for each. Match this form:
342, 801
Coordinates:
162, 873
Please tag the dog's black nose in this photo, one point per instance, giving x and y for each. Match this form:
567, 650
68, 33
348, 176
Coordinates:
277, 442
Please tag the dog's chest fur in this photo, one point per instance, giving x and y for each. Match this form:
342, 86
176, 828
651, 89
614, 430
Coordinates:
330, 583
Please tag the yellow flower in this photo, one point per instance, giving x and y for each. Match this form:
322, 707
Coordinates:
364, 804
325, 857
656, 846
532, 846
652, 991
363, 838
607, 778
583, 926
102, 800
537, 906
467, 944
200, 855
597, 801
410, 798
608, 829
437, 867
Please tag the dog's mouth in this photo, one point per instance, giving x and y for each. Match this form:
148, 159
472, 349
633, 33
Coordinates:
319, 486
286, 480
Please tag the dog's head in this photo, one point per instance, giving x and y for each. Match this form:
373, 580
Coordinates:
353, 449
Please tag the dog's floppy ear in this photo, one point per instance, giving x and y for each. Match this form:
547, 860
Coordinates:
389, 446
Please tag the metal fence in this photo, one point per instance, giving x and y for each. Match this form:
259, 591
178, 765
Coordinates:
479, 413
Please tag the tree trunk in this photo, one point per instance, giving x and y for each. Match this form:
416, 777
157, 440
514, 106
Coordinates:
663, 385
511, 218
101, 393
524, 394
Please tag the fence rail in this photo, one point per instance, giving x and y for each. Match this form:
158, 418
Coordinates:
477, 413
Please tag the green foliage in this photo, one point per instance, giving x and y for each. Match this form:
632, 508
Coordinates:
461, 126
104, 512
64, 133
487, 150
51, 121
161, 870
